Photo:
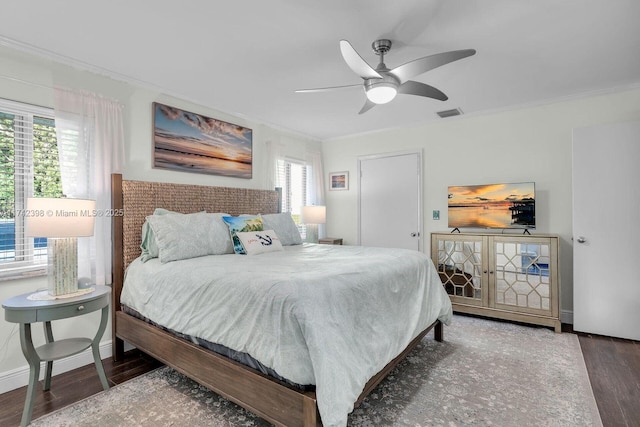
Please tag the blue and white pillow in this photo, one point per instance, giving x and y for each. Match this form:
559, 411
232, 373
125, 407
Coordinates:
239, 224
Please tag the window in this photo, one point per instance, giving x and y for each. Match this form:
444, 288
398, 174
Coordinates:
293, 179
29, 167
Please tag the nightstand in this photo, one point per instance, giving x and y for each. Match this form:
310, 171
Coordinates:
330, 241
24, 311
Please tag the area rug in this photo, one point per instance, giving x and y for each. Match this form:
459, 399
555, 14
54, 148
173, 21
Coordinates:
485, 373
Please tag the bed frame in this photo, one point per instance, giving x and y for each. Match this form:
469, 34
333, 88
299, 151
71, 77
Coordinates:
273, 400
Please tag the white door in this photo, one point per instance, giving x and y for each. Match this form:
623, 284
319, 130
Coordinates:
606, 230
390, 200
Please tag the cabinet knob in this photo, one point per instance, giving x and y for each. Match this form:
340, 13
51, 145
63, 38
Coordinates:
80, 307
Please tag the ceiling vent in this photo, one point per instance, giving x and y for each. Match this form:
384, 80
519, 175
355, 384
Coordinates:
449, 113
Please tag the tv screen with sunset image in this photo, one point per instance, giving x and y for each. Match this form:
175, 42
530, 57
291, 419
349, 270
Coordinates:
509, 205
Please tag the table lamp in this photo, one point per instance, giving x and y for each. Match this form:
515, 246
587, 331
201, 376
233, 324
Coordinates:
312, 216
61, 221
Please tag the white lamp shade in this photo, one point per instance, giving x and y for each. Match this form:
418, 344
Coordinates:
50, 217
314, 214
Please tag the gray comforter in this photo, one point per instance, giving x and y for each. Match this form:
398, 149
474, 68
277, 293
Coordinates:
332, 316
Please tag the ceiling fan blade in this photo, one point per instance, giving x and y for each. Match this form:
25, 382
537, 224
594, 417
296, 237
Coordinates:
368, 105
356, 63
327, 89
416, 67
421, 89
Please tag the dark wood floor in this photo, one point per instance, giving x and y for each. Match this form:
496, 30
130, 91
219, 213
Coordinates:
73, 386
614, 371
613, 365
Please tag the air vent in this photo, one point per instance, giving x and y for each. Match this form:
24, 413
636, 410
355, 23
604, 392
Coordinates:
449, 113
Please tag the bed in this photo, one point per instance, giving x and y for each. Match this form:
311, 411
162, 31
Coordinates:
328, 382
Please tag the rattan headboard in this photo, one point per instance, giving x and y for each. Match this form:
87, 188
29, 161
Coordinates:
140, 198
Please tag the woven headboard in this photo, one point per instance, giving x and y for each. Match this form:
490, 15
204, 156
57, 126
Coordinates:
141, 198
138, 199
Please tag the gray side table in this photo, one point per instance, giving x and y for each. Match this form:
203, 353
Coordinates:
21, 310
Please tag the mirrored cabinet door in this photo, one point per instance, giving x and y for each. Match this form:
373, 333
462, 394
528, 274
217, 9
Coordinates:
521, 271
460, 267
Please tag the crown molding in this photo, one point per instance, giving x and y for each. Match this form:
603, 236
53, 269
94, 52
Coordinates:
75, 63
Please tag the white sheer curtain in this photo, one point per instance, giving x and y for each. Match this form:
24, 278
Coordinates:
316, 187
90, 137
316, 184
273, 155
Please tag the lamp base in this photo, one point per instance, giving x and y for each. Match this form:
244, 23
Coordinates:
62, 265
312, 233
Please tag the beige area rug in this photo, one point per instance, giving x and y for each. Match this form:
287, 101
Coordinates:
486, 373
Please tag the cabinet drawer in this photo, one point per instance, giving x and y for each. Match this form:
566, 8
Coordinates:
62, 312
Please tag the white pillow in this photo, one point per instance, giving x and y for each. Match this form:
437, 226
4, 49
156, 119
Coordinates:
258, 242
285, 228
149, 246
183, 236
180, 236
218, 235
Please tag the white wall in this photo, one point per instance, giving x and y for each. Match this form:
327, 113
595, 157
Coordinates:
527, 144
27, 78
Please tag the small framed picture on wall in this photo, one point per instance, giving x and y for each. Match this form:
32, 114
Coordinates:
339, 181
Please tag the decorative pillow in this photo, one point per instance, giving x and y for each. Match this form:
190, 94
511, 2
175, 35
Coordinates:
149, 246
284, 227
181, 236
242, 223
258, 242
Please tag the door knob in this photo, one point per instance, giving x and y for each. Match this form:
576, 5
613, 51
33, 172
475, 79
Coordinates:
581, 239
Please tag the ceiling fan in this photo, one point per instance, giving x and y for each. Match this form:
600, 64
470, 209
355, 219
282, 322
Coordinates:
382, 84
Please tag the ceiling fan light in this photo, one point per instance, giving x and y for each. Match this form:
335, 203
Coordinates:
381, 93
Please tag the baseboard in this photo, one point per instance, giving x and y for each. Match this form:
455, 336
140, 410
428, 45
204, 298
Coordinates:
566, 316
19, 377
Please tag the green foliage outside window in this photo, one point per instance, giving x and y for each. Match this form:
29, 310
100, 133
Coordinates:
45, 163
7, 154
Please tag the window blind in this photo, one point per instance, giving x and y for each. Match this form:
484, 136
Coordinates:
28, 167
292, 178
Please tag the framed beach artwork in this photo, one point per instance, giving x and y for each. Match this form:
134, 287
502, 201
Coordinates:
190, 142
339, 181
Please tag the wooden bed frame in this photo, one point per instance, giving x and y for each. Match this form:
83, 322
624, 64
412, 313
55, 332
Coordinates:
273, 400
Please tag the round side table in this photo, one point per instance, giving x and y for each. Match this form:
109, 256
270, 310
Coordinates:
24, 311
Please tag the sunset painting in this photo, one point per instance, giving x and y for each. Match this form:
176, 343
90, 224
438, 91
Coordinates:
190, 142
492, 206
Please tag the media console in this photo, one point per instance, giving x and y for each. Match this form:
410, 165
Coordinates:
512, 277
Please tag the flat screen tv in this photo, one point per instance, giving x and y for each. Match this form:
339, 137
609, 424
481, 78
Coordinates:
509, 205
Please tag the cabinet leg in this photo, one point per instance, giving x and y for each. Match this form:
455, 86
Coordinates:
558, 327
